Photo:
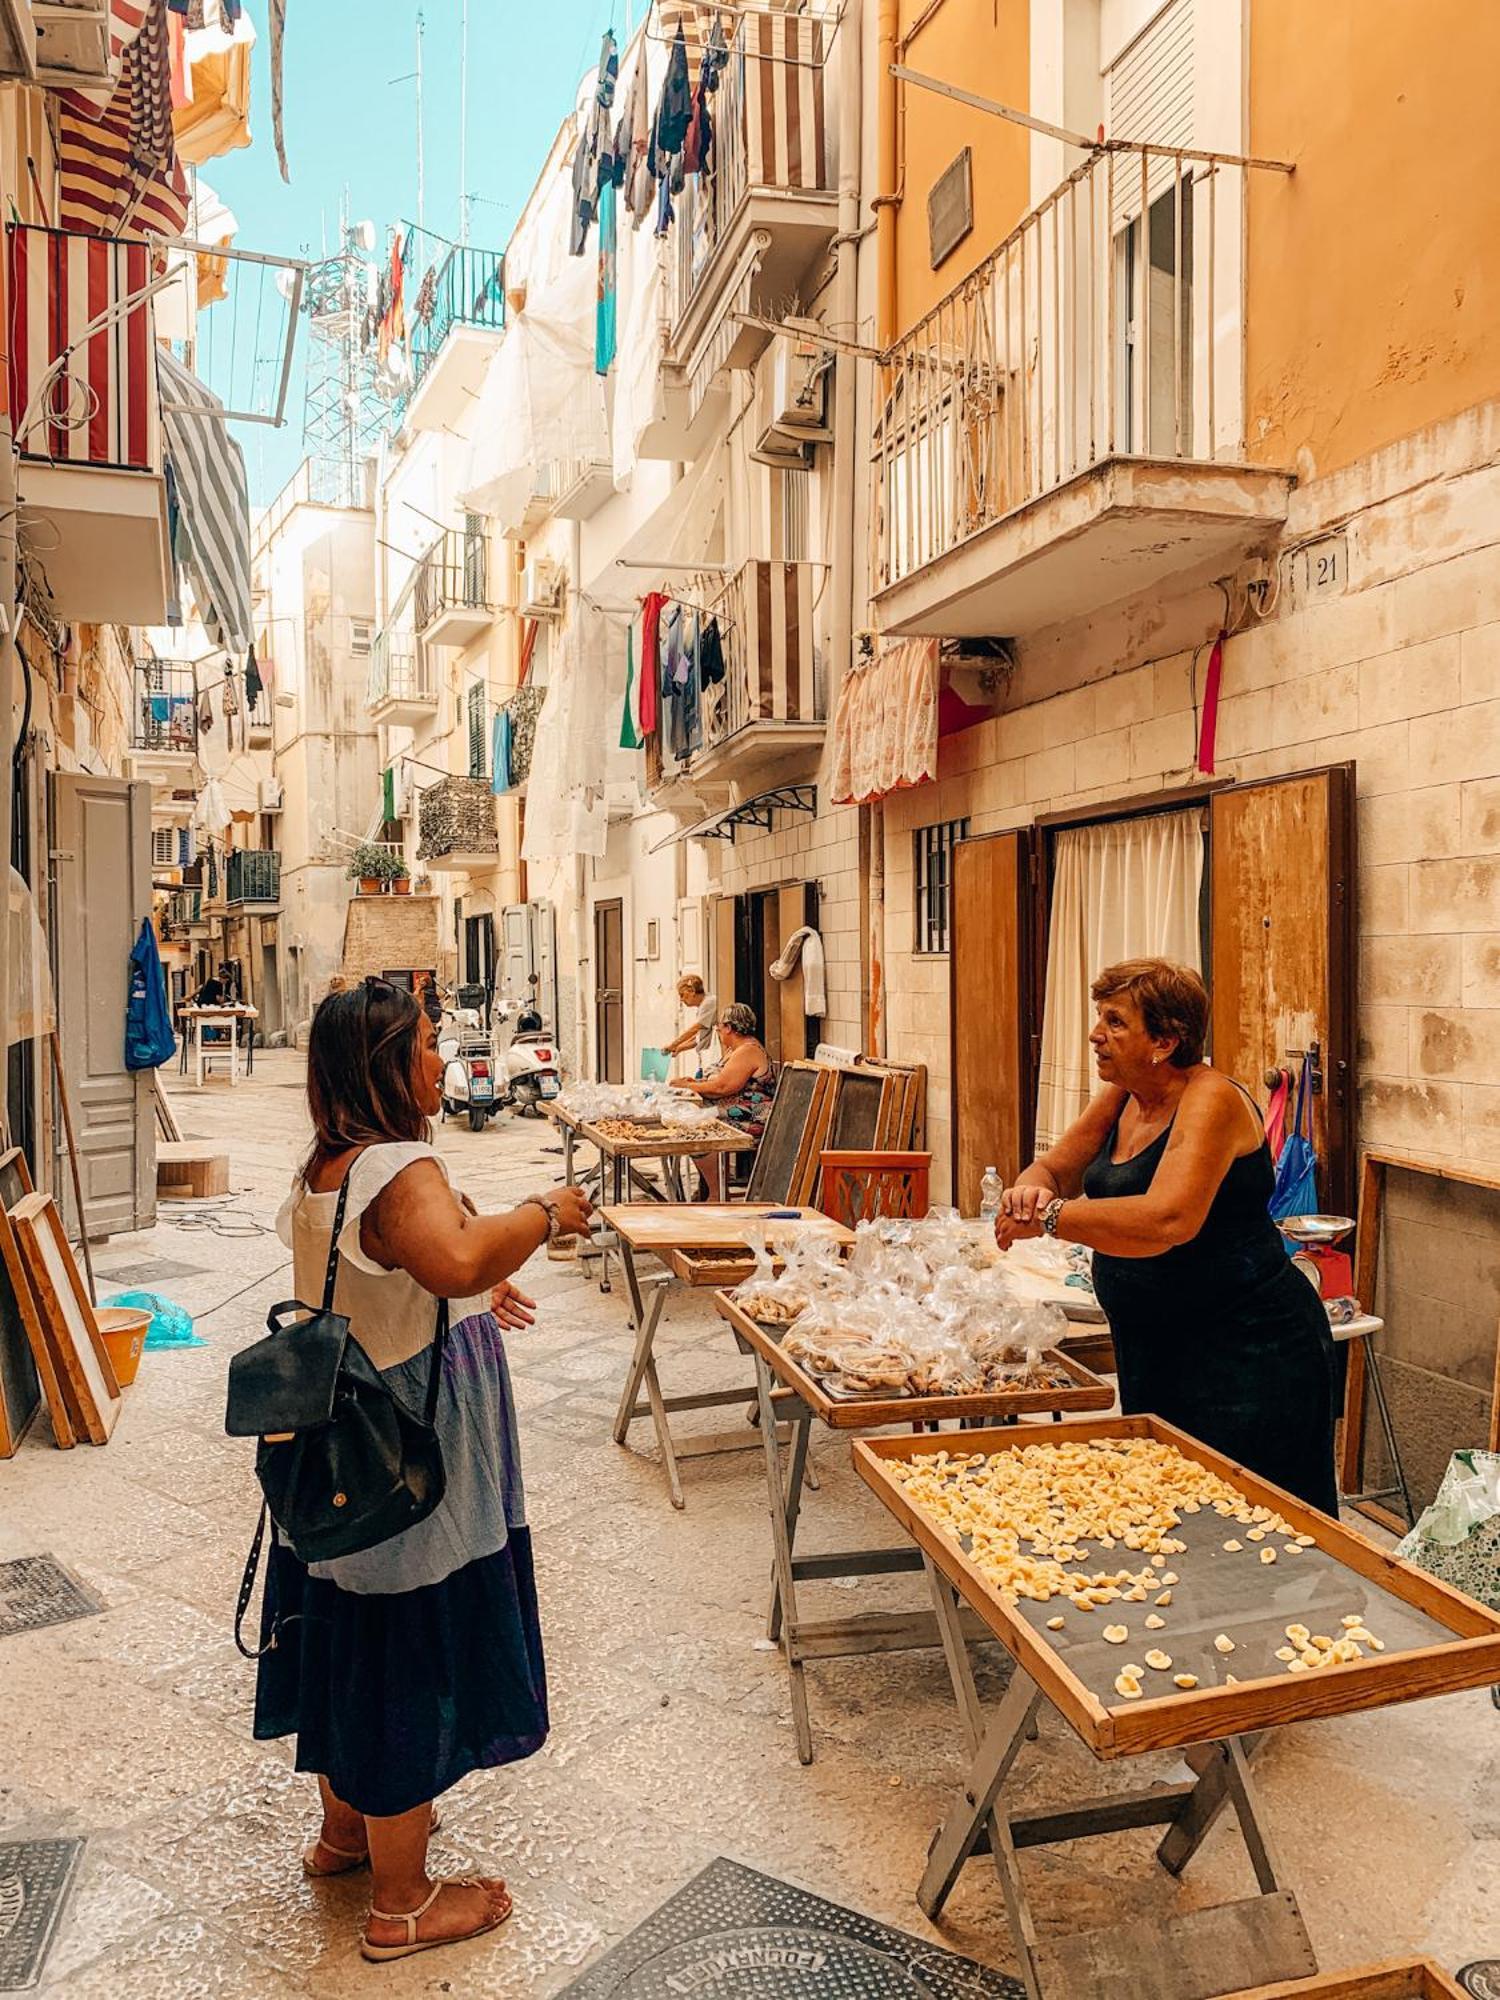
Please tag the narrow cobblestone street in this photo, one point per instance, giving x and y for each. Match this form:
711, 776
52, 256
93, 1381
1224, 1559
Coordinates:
670, 1740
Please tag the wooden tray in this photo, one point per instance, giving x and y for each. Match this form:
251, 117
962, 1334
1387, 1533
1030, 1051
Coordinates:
717, 1138
703, 1269
1450, 1642
848, 1413
705, 1225
1396, 1979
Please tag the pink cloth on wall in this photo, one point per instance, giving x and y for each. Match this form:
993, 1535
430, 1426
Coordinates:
885, 727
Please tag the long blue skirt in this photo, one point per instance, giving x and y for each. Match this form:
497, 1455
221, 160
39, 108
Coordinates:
393, 1698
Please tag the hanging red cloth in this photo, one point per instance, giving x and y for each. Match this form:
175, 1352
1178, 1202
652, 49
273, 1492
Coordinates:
1208, 729
652, 606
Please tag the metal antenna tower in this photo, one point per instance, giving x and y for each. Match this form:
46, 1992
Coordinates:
345, 412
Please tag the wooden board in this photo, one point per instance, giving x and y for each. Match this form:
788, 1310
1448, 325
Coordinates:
1467, 1655
84, 1369
1394, 1979
858, 1119
707, 1225
783, 1144
1186, 1956
1281, 862
846, 1413
989, 987
719, 1138
21, 1387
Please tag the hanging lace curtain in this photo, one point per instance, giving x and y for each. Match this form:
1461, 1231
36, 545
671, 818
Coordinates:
1122, 889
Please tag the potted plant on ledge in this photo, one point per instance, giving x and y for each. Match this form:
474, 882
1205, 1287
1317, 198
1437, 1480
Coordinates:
377, 870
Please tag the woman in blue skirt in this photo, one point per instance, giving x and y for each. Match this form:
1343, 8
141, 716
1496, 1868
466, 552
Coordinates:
401, 1669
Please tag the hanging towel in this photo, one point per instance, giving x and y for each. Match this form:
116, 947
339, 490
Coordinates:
808, 946
651, 610
500, 749
629, 737
604, 318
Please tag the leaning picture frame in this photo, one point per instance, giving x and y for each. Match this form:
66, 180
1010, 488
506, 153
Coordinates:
84, 1369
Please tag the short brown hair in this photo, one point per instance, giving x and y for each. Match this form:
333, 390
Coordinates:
738, 1018
1172, 998
691, 983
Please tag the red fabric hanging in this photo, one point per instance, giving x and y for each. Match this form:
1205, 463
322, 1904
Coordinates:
1208, 729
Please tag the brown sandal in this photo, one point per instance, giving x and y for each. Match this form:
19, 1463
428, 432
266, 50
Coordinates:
381, 1953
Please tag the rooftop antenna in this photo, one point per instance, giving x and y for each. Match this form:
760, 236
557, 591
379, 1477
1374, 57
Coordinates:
463, 124
415, 75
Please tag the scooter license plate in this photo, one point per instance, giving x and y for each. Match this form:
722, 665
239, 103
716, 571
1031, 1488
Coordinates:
550, 1086
481, 1089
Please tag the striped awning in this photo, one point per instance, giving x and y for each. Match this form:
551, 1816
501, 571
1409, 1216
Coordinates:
100, 408
213, 503
117, 161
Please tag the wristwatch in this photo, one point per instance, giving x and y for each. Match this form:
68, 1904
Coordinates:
1050, 1214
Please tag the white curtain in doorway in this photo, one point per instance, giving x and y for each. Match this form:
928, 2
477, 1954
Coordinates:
1121, 889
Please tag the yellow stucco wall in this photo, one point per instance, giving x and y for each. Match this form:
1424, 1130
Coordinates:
980, 45
1374, 270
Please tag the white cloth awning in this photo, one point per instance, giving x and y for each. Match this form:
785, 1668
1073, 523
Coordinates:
885, 727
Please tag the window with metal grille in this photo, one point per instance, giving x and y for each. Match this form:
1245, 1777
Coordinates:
932, 868
477, 707
361, 636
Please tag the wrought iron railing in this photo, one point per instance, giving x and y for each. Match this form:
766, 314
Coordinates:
443, 286
1083, 337
165, 713
252, 875
772, 672
399, 668
184, 907
457, 816
453, 575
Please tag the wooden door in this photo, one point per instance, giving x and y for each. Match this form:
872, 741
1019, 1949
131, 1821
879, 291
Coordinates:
722, 982
1283, 941
103, 853
989, 972
609, 991
796, 907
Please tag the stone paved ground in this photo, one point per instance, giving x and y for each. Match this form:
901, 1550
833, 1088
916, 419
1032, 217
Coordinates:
670, 1736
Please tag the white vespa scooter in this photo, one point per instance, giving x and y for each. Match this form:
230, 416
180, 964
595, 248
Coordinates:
469, 1068
529, 1059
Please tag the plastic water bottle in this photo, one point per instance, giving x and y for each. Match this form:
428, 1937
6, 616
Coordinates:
990, 1190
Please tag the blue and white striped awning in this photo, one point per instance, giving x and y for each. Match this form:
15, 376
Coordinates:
213, 499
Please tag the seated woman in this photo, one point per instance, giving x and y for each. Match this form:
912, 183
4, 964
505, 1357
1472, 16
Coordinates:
740, 1088
1167, 1177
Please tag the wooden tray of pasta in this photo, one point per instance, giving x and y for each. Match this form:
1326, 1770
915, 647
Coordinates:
1397, 1979
1267, 1611
1077, 1390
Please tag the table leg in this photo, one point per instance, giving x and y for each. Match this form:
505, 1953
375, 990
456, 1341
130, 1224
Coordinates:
974, 1813
234, 1054
956, 1653
782, 1548
645, 1321
198, 1054
1377, 1387
801, 1434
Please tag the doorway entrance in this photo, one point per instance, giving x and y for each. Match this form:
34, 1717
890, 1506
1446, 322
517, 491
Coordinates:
609, 991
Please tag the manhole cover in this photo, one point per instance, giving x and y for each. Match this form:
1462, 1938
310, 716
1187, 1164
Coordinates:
147, 1272
37, 1591
1482, 1979
35, 1876
732, 1934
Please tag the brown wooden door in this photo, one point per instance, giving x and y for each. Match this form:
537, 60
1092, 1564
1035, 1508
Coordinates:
609, 991
725, 922
795, 907
989, 969
1282, 926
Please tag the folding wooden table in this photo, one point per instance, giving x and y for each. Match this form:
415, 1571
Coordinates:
689, 1239
1436, 1641
803, 1398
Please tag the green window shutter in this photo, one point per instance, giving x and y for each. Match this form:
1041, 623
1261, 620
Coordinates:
388, 793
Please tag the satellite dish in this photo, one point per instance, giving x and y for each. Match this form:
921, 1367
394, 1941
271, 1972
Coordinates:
364, 233
286, 281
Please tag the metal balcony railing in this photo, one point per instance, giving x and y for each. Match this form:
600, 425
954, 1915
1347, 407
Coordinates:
399, 669
452, 576
445, 286
1085, 336
165, 712
184, 907
457, 816
771, 131
252, 875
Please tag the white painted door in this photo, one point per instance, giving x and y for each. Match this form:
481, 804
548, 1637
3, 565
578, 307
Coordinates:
102, 889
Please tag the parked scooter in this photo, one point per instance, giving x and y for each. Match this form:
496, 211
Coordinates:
470, 1081
530, 1061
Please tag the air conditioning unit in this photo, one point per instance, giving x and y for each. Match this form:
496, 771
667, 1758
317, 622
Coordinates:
541, 589
269, 794
791, 392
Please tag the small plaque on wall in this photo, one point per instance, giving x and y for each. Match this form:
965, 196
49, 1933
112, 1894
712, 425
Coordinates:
950, 208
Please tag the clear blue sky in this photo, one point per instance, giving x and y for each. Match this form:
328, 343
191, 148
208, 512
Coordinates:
349, 127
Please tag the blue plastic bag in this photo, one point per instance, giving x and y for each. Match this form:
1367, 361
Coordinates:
171, 1325
1296, 1189
149, 1040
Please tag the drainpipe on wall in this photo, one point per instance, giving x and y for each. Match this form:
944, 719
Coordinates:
887, 48
580, 864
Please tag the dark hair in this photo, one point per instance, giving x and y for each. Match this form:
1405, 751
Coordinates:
1172, 998
361, 1069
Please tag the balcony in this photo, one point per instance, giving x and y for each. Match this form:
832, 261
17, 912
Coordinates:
749, 235
1063, 430
252, 877
457, 827
163, 723
455, 309
451, 600
258, 720
92, 493
184, 914
765, 722
402, 687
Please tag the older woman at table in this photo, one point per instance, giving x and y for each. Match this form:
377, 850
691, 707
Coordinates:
1167, 1177
741, 1089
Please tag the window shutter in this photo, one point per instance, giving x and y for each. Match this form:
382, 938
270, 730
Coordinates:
476, 730
1149, 97
388, 794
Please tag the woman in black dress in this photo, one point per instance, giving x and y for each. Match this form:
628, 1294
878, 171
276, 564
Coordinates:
1167, 1177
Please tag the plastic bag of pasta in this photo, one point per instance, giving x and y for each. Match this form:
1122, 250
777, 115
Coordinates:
1457, 1540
